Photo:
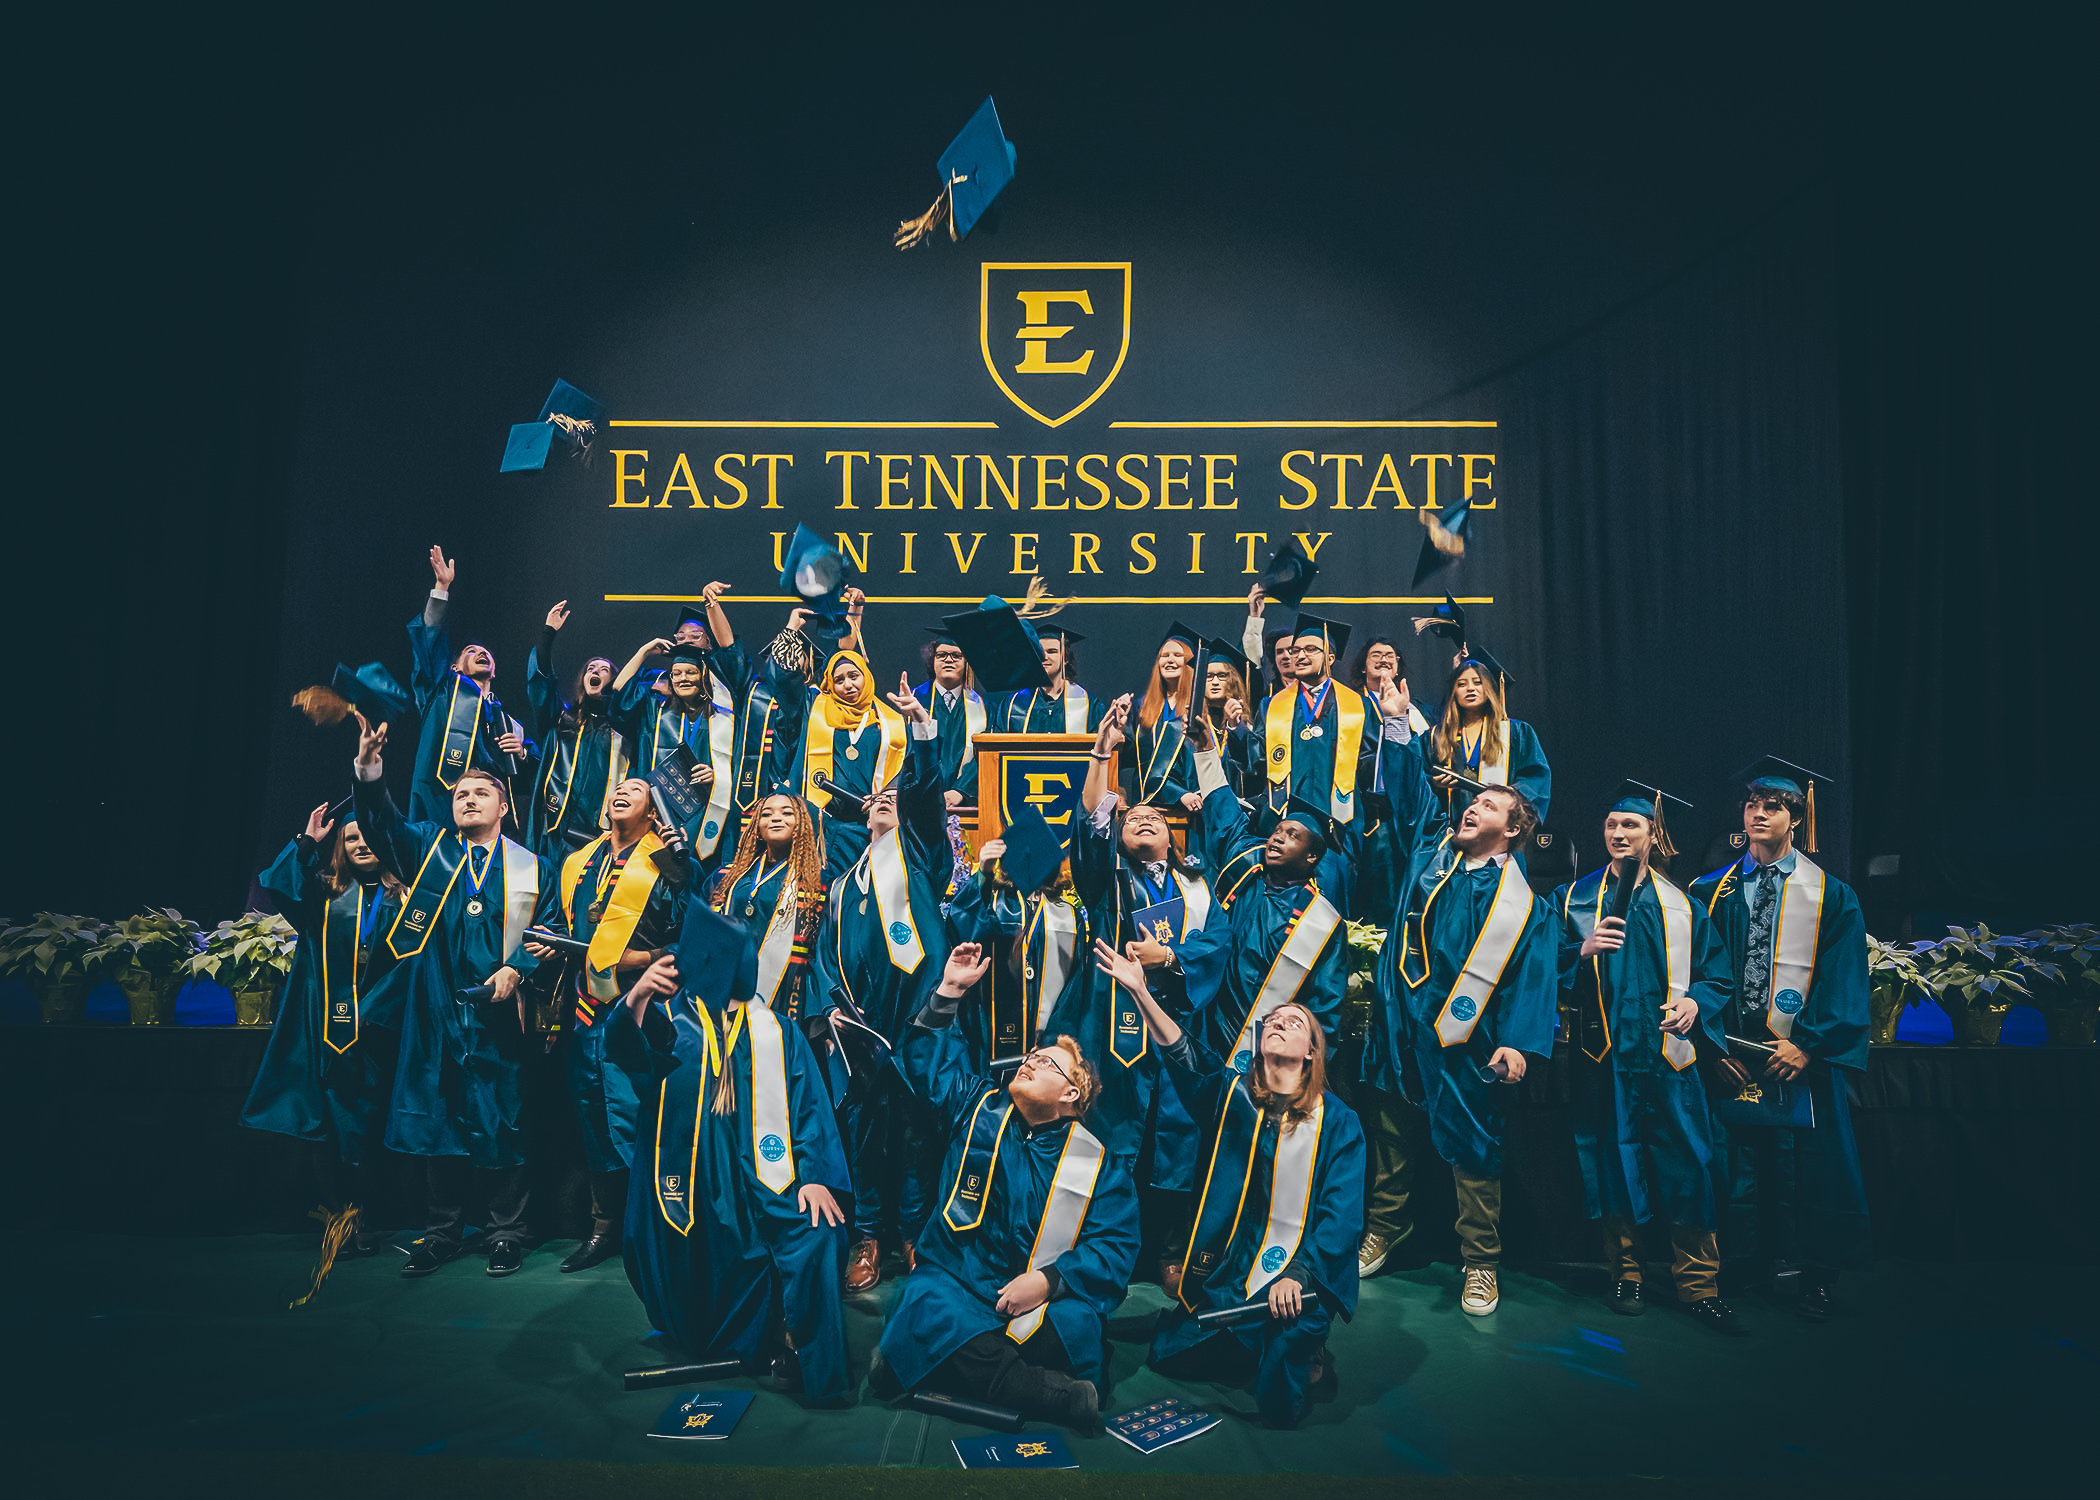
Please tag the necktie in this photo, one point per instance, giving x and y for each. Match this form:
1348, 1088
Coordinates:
477, 863
1757, 957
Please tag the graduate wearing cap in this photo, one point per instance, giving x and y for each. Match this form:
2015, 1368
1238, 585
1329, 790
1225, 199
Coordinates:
1166, 767
1467, 993
959, 714
1474, 736
329, 1065
1051, 703
458, 1099
850, 737
774, 884
693, 705
614, 894
1799, 949
1315, 744
1646, 975
1280, 1210
735, 1236
1387, 845
583, 757
1229, 677
1033, 1241
464, 727
879, 953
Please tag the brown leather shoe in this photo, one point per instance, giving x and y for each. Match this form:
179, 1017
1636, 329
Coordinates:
911, 1256
864, 1268
1170, 1277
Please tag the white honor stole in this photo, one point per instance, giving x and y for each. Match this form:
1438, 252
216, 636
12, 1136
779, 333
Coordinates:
721, 746
1290, 1197
1294, 961
521, 893
973, 717
1195, 901
772, 1136
893, 901
1498, 939
1678, 1051
1071, 1191
1060, 921
1076, 703
778, 945
1794, 945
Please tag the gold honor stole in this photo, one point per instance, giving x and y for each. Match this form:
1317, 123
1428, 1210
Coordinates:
778, 945
623, 908
561, 773
433, 884
893, 901
1071, 1192
1290, 1194
1301, 949
1348, 744
820, 744
1490, 955
675, 1190
339, 1016
1794, 944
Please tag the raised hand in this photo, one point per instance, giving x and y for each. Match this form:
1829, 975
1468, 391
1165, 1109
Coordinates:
907, 703
558, 616
659, 979
1256, 600
967, 963
1393, 699
712, 594
370, 741
441, 568
989, 850
318, 823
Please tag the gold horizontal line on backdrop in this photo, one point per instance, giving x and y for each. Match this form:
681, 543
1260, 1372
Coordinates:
1216, 426
1083, 599
839, 426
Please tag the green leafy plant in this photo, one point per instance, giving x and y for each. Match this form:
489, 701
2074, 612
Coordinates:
157, 942
1977, 975
49, 949
250, 953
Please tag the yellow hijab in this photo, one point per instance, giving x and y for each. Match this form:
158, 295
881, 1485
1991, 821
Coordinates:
830, 714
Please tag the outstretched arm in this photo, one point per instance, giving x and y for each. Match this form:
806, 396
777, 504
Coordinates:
933, 1052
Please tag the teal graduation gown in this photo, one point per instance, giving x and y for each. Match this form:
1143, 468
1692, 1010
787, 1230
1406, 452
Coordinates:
655, 728
1814, 1200
1644, 1133
581, 757
461, 723
1231, 1220
306, 1087
958, 757
1442, 908
1166, 765
1036, 712
458, 1087
953, 1296
1528, 771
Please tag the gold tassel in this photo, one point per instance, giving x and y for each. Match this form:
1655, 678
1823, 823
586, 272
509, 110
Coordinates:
1445, 540
335, 1233
1663, 846
578, 431
1039, 603
322, 705
1808, 821
917, 231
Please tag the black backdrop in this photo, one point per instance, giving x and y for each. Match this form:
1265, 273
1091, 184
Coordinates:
1747, 306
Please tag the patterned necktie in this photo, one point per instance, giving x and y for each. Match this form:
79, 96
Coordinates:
1757, 959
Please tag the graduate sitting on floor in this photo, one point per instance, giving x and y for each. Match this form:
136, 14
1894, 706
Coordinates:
1280, 1210
1799, 950
1034, 1241
734, 1230
464, 727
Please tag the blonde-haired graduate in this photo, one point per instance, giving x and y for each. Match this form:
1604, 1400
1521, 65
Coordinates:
1279, 1211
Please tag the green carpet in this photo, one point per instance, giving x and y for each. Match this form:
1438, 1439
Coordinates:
126, 1355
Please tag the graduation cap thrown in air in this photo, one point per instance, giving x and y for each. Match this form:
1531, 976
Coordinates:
371, 690
717, 958
1652, 803
1001, 647
1768, 773
570, 419
1334, 632
1448, 620
1288, 575
974, 170
1444, 544
1033, 850
816, 573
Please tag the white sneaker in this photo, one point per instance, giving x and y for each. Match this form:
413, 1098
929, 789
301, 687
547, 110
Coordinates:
1481, 1295
1371, 1254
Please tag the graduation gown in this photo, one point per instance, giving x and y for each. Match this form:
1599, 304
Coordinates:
1521, 764
317, 1082
1644, 1133
461, 723
1809, 1180
786, 923
1299, 749
639, 899
959, 727
1242, 1237
655, 727
1166, 762
754, 689
710, 1247
859, 766
953, 1296
457, 1088
1429, 1036
582, 757
1073, 711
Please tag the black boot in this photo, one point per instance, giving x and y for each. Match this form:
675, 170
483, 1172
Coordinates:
1717, 1315
1626, 1299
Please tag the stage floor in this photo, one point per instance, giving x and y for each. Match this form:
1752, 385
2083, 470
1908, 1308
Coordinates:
120, 1344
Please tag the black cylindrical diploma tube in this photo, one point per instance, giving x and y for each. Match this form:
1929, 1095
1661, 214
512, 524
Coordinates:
656, 1375
1242, 1313
982, 1414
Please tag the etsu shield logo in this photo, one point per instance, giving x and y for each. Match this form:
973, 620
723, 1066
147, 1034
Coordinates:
1054, 333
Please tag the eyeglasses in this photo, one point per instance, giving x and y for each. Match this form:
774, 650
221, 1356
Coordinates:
1288, 1020
1046, 1060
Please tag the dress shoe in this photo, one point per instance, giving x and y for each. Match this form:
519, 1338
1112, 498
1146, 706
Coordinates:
1075, 1402
864, 1267
1717, 1315
506, 1258
1170, 1276
1626, 1299
911, 1256
595, 1248
427, 1254
1371, 1252
1814, 1303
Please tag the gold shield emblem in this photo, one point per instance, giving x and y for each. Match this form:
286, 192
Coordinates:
1054, 332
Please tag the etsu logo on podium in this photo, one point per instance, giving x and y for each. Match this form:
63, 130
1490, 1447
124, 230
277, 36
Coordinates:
1051, 782
1054, 333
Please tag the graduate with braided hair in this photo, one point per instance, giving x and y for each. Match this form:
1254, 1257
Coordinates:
774, 884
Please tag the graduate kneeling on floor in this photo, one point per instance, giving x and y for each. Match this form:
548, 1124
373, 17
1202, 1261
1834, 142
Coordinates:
1034, 1241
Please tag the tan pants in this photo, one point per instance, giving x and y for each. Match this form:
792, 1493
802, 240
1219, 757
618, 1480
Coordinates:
1479, 1218
1695, 1257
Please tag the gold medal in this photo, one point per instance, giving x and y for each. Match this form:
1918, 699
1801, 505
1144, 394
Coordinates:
1311, 732
864, 908
852, 752
474, 907
750, 910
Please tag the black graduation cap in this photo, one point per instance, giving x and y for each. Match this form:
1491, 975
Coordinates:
1335, 632
1033, 850
1288, 576
1447, 621
717, 958
1481, 656
371, 689
974, 170
1444, 545
999, 646
691, 614
815, 573
1051, 630
570, 419
1193, 639
1217, 648
1770, 773
694, 651
1303, 813
1649, 802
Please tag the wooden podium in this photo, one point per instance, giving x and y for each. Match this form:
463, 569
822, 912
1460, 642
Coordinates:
1048, 770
